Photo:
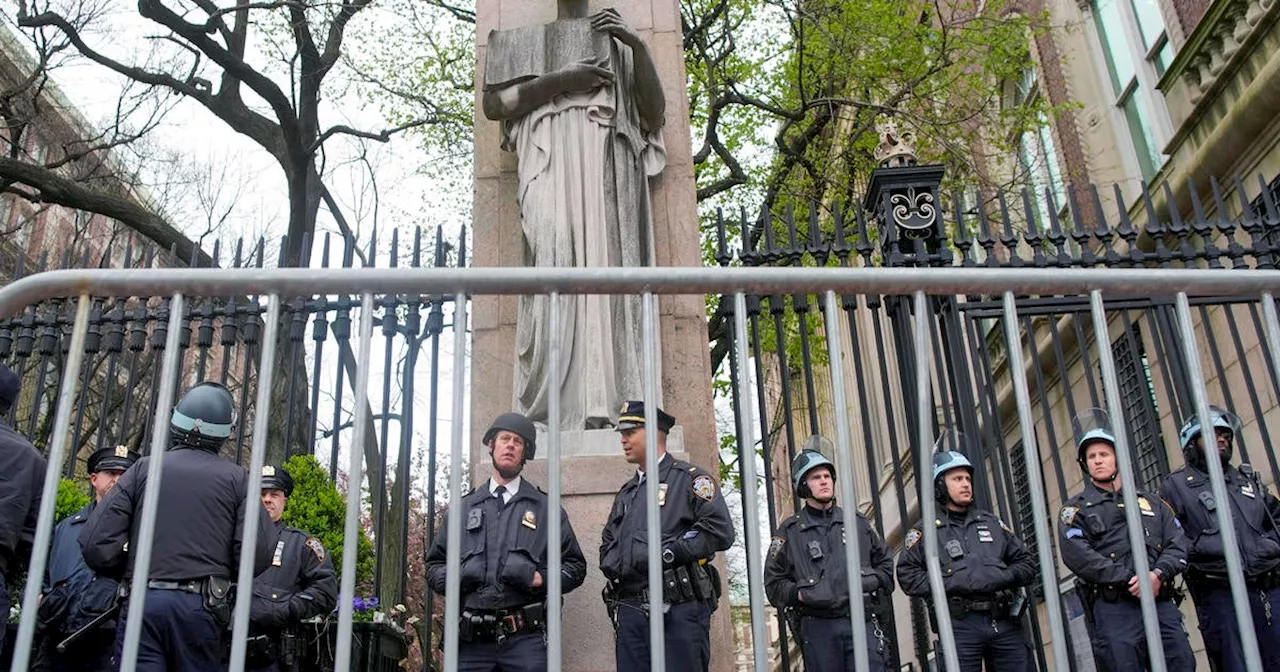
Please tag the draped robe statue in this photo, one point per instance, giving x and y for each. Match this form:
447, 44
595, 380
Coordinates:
581, 105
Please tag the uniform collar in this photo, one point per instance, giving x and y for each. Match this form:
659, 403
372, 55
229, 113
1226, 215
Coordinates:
813, 515
662, 462
512, 487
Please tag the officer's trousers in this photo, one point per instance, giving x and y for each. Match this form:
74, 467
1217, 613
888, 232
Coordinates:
1222, 636
827, 645
91, 653
687, 627
997, 642
178, 635
1120, 643
519, 653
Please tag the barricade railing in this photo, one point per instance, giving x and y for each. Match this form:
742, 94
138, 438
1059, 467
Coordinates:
278, 284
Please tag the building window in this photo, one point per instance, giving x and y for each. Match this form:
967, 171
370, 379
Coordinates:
1137, 52
1037, 153
1138, 397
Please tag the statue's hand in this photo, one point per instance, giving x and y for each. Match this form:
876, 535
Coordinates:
610, 21
584, 76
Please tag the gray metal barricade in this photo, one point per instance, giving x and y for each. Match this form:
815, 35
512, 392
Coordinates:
920, 283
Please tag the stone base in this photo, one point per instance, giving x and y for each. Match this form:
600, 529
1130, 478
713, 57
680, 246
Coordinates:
599, 443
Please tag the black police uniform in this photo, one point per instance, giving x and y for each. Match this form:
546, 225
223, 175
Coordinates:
1254, 512
983, 564
1094, 538
74, 595
300, 583
503, 616
805, 575
695, 525
197, 545
22, 471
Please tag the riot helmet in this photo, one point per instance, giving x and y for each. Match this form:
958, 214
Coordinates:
204, 418
815, 453
947, 456
518, 424
1091, 426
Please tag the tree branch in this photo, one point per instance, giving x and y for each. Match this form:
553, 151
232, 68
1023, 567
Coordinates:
55, 189
381, 136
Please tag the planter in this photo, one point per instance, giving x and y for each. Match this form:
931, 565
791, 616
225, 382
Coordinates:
375, 647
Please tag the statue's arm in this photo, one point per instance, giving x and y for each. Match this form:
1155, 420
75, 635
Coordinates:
651, 103
521, 98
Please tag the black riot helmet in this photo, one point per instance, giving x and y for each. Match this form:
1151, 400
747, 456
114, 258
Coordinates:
517, 423
204, 418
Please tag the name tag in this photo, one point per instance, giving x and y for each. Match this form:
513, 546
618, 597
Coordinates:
279, 556
984, 535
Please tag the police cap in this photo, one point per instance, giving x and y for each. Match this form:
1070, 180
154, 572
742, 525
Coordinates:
118, 458
276, 478
632, 416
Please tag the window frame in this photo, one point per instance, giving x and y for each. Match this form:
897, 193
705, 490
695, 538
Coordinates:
1150, 105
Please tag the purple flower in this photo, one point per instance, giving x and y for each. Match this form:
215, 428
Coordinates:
372, 603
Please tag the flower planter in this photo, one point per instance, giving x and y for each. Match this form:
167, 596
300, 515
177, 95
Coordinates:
375, 647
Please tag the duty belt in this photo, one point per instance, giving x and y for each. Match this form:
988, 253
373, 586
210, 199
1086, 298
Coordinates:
1119, 592
1264, 581
687, 583
496, 626
963, 606
183, 586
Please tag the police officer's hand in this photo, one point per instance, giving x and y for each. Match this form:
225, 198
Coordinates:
1136, 590
537, 579
870, 582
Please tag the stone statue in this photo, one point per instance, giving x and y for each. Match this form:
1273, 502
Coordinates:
582, 107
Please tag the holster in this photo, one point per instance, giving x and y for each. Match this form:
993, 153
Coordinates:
260, 651
793, 622
218, 601
610, 603
291, 651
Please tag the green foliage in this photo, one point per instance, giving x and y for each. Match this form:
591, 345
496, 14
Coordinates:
318, 508
72, 497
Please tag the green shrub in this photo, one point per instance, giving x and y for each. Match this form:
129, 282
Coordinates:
72, 497
318, 508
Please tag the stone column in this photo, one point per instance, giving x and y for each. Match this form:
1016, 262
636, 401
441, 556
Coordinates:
594, 468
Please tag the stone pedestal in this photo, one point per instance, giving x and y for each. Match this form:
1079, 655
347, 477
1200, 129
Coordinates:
597, 470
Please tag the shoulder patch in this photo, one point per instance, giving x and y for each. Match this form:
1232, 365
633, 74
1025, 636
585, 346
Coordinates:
913, 538
775, 546
704, 487
316, 547
1068, 515
1004, 527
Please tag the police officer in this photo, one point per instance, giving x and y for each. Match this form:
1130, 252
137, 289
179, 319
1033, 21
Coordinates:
197, 543
73, 596
504, 559
21, 486
1254, 513
805, 572
299, 584
983, 567
1094, 537
695, 525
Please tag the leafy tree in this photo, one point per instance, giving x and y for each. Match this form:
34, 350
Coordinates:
318, 508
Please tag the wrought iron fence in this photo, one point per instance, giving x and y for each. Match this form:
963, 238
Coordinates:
973, 367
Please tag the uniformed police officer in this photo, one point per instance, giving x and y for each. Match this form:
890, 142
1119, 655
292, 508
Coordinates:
1094, 538
1254, 513
504, 559
73, 595
197, 544
21, 486
299, 584
695, 525
805, 572
983, 567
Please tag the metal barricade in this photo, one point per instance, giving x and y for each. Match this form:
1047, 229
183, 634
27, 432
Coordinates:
276, 284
